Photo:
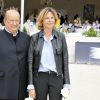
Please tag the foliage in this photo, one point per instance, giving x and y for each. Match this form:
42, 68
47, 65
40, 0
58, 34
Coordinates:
91, 33
98, 34
24, 30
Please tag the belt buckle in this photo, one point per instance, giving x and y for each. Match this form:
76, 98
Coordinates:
49, 72
52, 72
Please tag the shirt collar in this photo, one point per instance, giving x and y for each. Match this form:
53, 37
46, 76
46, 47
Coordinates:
54, 34
10, 32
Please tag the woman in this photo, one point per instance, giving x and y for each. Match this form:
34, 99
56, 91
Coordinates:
48, 59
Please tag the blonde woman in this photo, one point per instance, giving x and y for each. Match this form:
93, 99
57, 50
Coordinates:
48, 59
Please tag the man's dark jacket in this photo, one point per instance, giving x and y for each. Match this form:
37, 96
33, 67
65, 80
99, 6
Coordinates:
60, 54
13, 65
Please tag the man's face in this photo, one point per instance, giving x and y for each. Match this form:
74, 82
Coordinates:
12, 21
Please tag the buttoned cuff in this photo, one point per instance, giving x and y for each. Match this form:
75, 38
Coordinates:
30, 86
67, 86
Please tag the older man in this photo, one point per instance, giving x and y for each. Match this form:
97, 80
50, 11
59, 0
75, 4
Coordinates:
13, 58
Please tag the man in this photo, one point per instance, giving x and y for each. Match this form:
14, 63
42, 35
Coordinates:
13, 58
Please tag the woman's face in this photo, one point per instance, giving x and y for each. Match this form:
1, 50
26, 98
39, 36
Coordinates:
49, 21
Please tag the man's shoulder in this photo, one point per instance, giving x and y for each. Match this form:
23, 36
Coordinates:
24, 34
24, 37
2, 32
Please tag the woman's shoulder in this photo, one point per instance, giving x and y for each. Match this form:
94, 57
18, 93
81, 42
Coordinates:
59, 34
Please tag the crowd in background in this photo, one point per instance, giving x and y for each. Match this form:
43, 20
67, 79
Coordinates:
64, 24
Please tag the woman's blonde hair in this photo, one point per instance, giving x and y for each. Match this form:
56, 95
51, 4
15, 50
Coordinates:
41, 15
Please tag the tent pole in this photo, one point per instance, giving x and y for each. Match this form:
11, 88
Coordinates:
22, 15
